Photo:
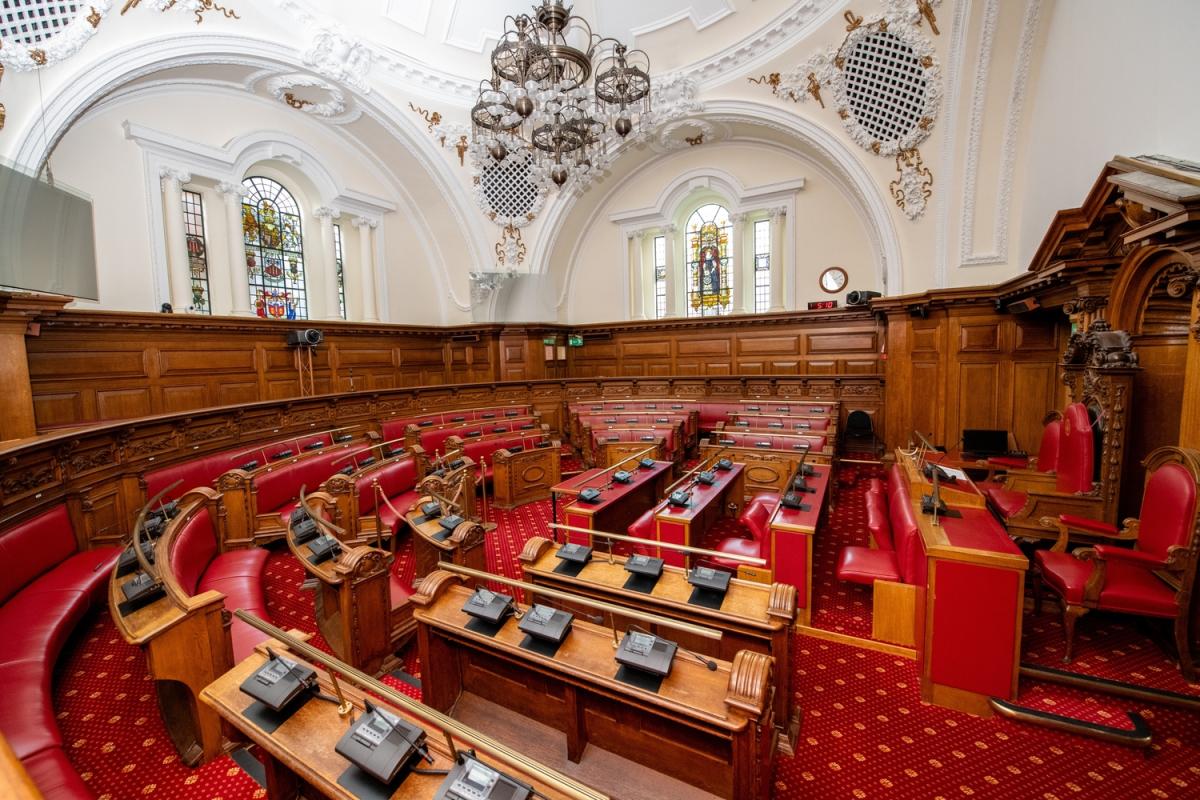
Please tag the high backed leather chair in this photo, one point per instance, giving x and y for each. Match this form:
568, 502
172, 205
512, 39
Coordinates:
1028, 502
1046, 459
757, 519
1155, 577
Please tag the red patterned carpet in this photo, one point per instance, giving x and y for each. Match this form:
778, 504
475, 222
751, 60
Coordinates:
838, 606
865, 734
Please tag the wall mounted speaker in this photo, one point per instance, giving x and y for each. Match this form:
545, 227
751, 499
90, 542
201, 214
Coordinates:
307, 337
861, 297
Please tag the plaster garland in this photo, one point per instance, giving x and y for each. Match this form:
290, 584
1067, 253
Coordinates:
62, 45
281, 86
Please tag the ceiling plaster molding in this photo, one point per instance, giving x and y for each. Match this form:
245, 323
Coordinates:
968, 255
845, 170
954, 64
100, 77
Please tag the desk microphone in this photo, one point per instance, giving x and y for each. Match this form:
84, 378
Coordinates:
706, 661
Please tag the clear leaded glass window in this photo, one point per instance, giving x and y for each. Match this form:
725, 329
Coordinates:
762, 265
341, 275
660, 276
274, 245
710, 264
197, 251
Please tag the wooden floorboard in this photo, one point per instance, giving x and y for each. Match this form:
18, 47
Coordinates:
606, 772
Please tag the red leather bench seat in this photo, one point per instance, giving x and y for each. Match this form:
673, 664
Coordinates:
395, 428
46, 588
906, 562
757, 517
763, 440
237, 574
397, 481
779, 424
602, 437
278, 490
203, 471
434, 439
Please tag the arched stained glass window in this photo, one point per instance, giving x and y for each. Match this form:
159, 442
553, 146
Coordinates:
274, 246
710, 266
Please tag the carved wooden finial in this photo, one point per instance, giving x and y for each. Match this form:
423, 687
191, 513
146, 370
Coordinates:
782, 602
749, 682
432, 586
535, 546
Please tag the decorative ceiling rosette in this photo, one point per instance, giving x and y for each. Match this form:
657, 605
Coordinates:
39, 33
886, 86
510, 190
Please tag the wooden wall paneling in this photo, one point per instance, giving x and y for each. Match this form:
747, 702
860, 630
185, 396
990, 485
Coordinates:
1157, 404
1189, 422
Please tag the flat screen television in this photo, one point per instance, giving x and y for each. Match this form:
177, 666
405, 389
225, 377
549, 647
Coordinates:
47, 243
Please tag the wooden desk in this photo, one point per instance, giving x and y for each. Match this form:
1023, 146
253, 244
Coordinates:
300, 756
432, 545
962, 492
186, 643
969, 613
688, 525
790, 558
754, 616
711, 729
620, 504
525, 476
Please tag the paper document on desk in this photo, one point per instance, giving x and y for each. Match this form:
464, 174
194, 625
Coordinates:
956, 474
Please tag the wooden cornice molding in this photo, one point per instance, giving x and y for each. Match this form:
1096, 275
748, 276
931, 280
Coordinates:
727, 321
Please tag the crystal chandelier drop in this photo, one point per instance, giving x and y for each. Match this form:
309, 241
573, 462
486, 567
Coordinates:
560, 94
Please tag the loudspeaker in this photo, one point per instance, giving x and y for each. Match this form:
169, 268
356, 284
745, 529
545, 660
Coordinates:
861, 297
308, 337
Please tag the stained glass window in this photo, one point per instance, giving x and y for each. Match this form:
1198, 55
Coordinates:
660, 276
710, 265
197, 251
762, 265
274, 247
341, 275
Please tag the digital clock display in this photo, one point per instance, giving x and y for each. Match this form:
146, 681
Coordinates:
819, 305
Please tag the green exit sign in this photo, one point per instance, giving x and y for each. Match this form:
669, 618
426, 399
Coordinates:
549, 341
575, 340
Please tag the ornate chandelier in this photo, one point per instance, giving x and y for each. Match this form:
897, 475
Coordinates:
542, 104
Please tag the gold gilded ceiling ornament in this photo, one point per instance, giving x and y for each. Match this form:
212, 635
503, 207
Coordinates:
461, 146
510, 249
38, 56
926, 9
914, 186
94, 17
295, 102
3, 115
883, 81
432, 118
694, 140
197, 7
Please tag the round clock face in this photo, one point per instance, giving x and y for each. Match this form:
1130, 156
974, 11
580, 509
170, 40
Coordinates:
833, 279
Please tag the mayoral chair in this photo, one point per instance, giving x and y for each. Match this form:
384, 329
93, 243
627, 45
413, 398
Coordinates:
1154, 578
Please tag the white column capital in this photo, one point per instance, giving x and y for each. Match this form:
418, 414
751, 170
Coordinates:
738, 218
669, 229
326, 213
360, 222
777, 212
171, 174
231, 190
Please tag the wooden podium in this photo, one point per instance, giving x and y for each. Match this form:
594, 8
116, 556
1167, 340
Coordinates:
525, 476
433, 544
712, 730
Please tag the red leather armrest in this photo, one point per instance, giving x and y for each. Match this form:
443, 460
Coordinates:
1084, 524
1139, 557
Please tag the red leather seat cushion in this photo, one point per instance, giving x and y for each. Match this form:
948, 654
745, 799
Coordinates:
235, 565
87, 572
864, 565
1127, 588
1005, 501
643, 526
239, 576
877, 521
876, 485
55, 777
757, 517
34, 547
36, 624
737, 546
1087, 524
28, 719
285, 511
193, 549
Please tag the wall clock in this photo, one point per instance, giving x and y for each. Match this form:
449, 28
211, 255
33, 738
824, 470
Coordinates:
833, 280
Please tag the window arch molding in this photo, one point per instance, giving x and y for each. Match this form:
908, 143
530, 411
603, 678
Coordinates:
668, 218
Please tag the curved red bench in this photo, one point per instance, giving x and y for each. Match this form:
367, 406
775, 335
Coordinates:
396, 427
46, 588
757, 517
398, 480
903, 564
480, 450
436, 439
199, 567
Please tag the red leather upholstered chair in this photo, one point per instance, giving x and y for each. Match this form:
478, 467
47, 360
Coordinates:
1027, 501
756, 516
1152, 579
1046, 459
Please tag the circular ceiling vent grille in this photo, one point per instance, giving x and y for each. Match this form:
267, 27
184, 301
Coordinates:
508, 188
31, 22
886, 86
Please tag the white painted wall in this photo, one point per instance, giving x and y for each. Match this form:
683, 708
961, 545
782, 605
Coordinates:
1115, 79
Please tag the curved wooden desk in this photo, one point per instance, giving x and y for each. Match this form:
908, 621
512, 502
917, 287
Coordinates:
433, 544
711, 729
754, 616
